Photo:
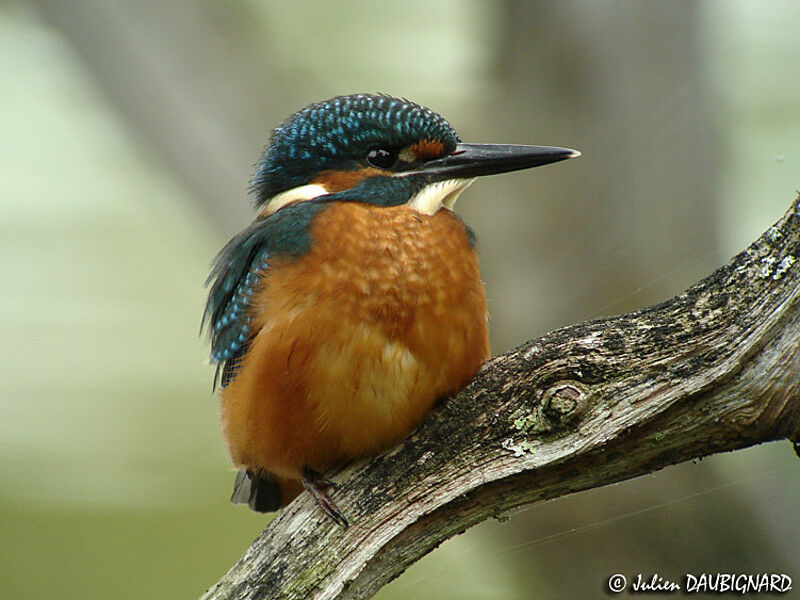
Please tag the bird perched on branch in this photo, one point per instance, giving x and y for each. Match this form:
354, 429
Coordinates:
354, 300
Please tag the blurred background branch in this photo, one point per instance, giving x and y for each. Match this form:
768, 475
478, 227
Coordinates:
188, 83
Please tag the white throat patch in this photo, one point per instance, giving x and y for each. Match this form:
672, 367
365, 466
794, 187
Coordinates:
298, 194
436, 195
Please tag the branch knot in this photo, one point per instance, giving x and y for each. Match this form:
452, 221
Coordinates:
564, 402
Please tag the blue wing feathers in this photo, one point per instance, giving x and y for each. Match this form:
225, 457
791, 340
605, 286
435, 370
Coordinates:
233, 281
231, 328
235, 276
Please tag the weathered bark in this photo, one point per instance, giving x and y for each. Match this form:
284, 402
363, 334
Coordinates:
713, 369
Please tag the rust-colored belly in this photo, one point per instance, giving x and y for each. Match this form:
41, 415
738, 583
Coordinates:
356, 339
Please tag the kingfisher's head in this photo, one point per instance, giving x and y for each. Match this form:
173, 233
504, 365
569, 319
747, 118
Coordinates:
381, 150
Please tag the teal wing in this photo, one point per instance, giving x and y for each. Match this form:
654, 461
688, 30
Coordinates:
232, 284
235, 276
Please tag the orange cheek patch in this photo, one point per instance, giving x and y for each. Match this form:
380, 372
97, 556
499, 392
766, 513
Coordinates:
426, 149
338, 181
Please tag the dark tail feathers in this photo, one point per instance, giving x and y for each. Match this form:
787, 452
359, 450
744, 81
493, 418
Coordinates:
260, 491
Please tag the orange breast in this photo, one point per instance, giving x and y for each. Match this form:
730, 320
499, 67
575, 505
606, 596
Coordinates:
356, 339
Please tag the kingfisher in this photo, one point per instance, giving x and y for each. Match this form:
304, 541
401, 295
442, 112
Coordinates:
353, 302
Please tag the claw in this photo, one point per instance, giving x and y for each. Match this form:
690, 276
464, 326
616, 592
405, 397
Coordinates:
318, 486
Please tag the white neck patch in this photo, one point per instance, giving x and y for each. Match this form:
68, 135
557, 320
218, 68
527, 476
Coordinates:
298, 194
436, 195
426, 201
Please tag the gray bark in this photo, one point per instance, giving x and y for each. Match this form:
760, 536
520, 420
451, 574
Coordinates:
714, 369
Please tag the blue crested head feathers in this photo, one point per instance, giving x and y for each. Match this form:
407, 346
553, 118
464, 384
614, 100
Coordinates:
337, 134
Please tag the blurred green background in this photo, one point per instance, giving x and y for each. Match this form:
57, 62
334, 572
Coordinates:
128, 133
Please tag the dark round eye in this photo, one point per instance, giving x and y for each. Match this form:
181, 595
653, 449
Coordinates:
383, 158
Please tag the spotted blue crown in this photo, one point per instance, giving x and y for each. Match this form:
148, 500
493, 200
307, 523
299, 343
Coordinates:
337, 134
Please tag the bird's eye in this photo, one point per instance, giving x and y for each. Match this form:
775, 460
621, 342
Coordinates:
383, 158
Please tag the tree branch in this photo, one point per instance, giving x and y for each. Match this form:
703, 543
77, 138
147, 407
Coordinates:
716, 368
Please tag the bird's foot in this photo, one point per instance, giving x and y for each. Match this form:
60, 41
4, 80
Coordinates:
315, 483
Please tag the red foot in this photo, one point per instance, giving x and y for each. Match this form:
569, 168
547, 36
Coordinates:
319, 486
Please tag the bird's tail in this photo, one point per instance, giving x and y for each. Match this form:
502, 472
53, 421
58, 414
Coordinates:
260, 491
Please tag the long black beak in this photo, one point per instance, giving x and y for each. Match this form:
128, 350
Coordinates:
474, 160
